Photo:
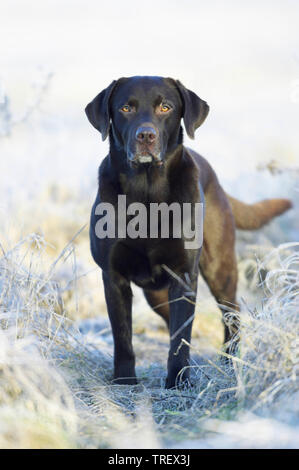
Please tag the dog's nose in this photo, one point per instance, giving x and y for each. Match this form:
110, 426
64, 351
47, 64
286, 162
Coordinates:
146, 135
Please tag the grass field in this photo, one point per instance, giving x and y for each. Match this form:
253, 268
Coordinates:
56, 347
56, 352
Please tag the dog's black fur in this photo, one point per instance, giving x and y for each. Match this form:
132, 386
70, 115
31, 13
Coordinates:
148, 163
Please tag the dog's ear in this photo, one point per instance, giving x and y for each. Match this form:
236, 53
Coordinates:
195, 110
98, 112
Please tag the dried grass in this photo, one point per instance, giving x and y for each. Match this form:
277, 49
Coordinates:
56, 374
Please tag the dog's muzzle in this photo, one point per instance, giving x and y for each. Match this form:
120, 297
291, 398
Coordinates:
147, 146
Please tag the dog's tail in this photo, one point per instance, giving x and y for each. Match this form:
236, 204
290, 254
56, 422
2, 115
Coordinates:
254, 216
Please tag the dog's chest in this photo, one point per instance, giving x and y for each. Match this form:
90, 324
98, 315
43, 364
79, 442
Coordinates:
145, 187
147, 259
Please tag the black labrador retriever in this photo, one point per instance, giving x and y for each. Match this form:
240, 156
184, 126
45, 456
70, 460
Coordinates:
148, 164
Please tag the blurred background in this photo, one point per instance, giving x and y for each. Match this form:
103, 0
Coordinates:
55, 56
241, 58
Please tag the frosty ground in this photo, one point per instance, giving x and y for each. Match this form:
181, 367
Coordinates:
56, 348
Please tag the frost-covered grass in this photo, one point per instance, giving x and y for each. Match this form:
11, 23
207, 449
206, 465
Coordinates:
55, 340
56, 368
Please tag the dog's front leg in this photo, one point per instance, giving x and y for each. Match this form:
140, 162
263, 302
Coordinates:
180, 327
118, 295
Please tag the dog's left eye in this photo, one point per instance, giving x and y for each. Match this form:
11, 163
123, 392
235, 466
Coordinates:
126, 108
164, 108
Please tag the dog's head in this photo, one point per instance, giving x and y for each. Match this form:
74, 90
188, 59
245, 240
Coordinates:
144, 114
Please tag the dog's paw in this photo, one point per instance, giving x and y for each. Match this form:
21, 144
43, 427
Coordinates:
124, 381
178, 382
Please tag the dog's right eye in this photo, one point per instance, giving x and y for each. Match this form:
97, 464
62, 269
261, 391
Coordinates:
126, 108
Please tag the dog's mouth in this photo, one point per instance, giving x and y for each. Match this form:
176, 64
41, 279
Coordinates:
147, 158
144, 158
